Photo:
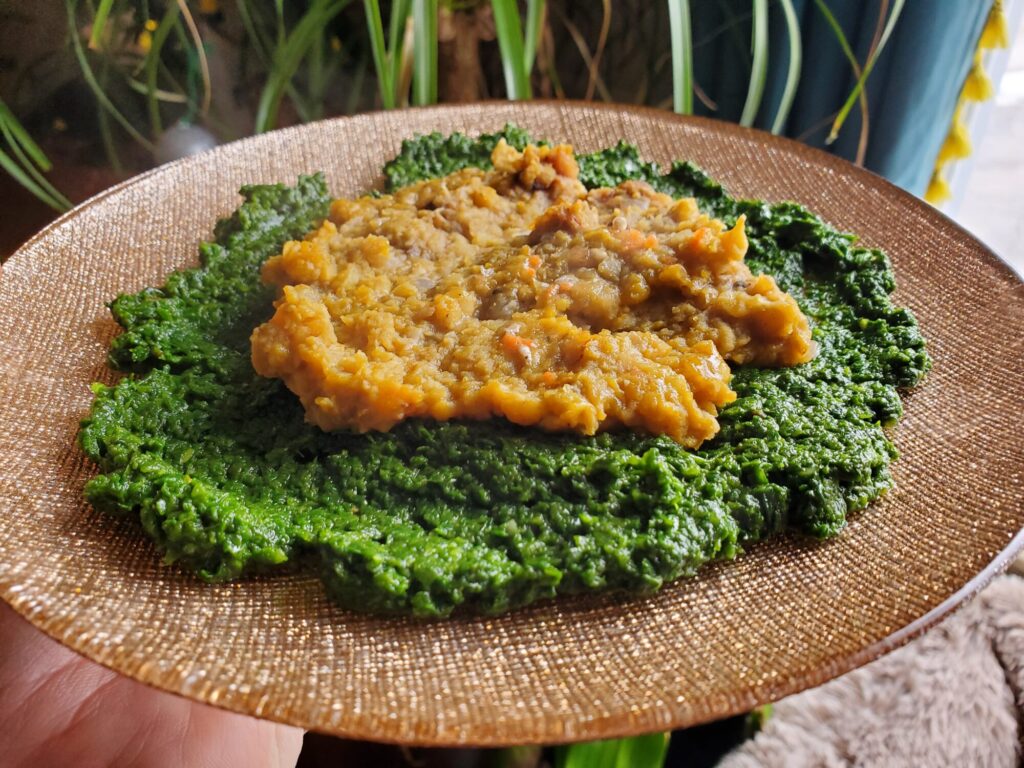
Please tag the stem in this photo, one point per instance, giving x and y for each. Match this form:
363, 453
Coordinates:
424, 51
99, 21
259, 45
19, 142
94, 86
795, 64
375, 25
510, 44
602, 41
289, 56
396, 40
24, 180
18, 135
759, 65
534, 22
204, 65
682, 56
581, 46
152, 66
897, 9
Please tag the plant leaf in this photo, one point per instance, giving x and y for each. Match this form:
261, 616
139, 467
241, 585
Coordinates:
510, 44
94, 86
759, 65
99, 21
795, 65
289, 56
637, 752
890, 24
682, 56
152, 63
260, 46
424, 51
17, 139
534, 21
396, 39
380, 54
24, 180
18, 135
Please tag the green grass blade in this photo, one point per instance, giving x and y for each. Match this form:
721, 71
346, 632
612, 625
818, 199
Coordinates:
510, 44
289, 56
396, 35
260, 46
279, 16
8, 164
315, 81
795, 64
759, 65
7, 128
844, 46
375, 24
99, 21
103, 121
152, 63
424, 51
890, 24
682, 56
161, 94
534, 21
18, 135
94, 86
638, 752
837, 30
198, 53
54, 197
643, 751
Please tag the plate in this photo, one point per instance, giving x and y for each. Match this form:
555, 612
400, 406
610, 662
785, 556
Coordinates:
787, 615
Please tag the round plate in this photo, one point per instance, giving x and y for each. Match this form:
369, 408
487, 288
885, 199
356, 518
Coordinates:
787, 615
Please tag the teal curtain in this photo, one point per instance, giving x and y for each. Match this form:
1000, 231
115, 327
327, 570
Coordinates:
911, 93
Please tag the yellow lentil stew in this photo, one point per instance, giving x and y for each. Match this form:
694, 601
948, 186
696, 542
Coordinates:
516, 292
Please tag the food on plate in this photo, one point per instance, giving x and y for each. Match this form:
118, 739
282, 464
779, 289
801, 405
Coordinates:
518, 293
401, 512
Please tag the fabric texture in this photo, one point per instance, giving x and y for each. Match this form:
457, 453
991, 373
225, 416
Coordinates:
954, 696
912, 91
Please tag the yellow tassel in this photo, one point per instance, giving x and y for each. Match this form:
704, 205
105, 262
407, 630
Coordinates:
996, 33
957, 144
938, 190
978, 85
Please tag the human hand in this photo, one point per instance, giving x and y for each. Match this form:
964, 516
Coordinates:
58, 708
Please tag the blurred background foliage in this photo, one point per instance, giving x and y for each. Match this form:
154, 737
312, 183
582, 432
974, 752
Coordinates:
112, 86
92, 91
105, 88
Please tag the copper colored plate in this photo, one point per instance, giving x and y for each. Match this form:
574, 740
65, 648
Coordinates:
788, 615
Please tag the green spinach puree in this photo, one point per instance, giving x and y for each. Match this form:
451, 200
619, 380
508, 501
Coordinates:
228, 479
